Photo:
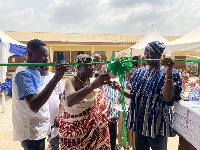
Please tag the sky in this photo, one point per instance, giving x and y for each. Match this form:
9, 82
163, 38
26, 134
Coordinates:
170, 17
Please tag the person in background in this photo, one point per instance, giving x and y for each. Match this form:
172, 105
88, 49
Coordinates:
84, 123
96, 58
113, 99
30, 110
63, 60
103, 69
185, 75
55, 107
112, 96
180, 72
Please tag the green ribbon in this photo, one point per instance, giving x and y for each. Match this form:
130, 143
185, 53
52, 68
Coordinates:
184, 60
54, 64
46, 64
29, 64
119, 67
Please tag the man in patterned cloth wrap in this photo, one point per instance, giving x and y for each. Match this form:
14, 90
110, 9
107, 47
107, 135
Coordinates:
153, 89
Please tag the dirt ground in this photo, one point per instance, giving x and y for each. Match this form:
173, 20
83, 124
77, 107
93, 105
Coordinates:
6, 135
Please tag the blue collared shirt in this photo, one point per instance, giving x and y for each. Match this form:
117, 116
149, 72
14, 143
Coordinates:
28, 81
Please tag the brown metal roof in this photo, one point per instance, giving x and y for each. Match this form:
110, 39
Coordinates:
7, 39
78, 37
170, 38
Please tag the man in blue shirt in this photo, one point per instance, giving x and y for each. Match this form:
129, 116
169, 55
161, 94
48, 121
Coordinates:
153, 89
30, 112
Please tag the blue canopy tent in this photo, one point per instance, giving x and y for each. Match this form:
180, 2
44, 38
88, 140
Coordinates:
9, 48
17, 50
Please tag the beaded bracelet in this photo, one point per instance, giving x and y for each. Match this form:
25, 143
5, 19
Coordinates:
169, 78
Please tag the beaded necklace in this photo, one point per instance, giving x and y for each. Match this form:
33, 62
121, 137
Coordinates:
83, 85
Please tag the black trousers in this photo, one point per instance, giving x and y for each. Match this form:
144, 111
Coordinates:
113, 135
33, 144
144, 142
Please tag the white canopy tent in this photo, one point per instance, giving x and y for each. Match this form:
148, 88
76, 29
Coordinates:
138, 48
123, 53
189, 44
152, 35
5, 41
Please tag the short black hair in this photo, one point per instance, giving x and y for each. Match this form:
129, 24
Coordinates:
34, 45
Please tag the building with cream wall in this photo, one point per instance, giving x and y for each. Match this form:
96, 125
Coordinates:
71, 44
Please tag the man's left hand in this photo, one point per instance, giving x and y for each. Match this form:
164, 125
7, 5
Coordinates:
115, 85
113, 120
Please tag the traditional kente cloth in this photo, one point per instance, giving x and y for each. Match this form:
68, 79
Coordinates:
84, 126
156, 47
149, 114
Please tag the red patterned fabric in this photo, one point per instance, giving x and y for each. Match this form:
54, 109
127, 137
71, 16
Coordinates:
87, 130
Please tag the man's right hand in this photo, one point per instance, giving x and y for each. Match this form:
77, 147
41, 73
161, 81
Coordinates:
101, 80
115, 85
60, 70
